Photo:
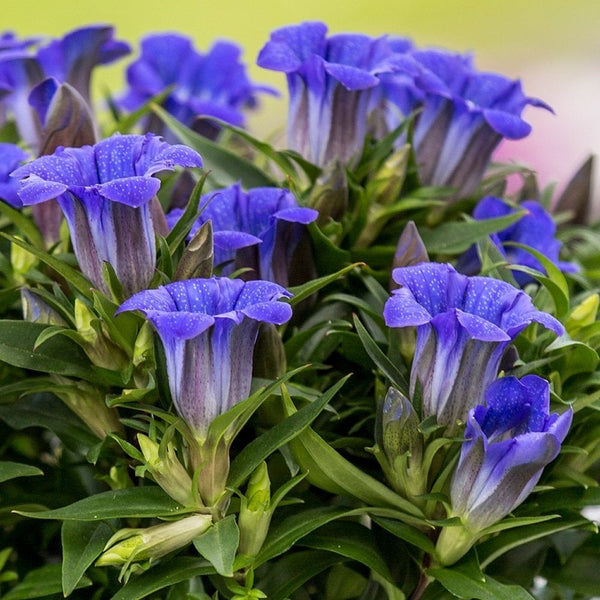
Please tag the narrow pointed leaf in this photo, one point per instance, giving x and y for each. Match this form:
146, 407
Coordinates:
262, 447
140, 502
12, 470
82, 543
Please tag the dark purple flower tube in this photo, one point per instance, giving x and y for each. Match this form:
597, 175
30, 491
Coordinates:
208, 328
329, 82
214, 84
464, 325
259, 229
105, 192
535, 229
508, 442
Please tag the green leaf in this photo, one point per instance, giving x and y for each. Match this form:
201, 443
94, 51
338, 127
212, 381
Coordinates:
555, 281
407, 533
41, 582
46, 410
227, 167
293, 571
82, 543
75, 278
139, 502
491, 549
12, 470
262, 447
219, 545
463, 585
386, 366
456, 237
308, 289
330, 471
164, 575
58, 355
285, 534
351, 540
26, 226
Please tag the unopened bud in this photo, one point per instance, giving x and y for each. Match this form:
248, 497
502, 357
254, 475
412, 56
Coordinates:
129, 545
583, 314
21, 262
255, 512
36, 310
94, 340
167, 471
330, 195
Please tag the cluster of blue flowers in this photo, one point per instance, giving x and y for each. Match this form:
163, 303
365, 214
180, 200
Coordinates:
343, 90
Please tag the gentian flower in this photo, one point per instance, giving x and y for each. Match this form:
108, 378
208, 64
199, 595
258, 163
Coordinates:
464, 325
535, 229
19, 73
330, 82
240, 220
208, 328
69, 60
11, 156
465, 114
214, 84
105, 192
508, 442
72, 58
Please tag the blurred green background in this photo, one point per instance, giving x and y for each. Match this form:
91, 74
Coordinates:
553, 45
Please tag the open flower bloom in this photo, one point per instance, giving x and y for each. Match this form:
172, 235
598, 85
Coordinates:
465, 114
508, 442
208, 328
72, 58
214, 84
329, 82
11, 156
535, 229
105, 192
259, 229
464, 325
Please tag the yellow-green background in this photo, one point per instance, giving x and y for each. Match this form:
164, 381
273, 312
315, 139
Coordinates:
554, 45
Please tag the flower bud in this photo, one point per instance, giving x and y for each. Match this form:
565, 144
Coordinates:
167, 471
36, 310
330, 195
582, 315
21, 262
255, 512
153, 542
87, 402
96, 344
402, 444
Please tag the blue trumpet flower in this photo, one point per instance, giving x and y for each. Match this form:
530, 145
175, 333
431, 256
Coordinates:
535, 229
208, 328
259, 229
464, 325
508, 442
330, 82
105, 192
214, 84
11, 156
